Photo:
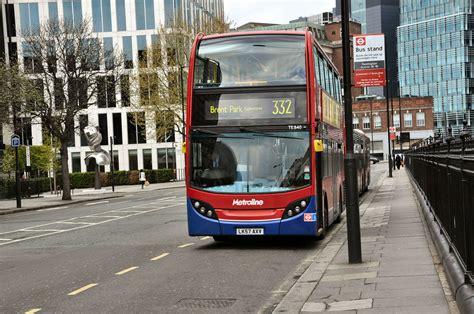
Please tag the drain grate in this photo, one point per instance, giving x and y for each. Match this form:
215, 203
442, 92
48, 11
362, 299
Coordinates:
195, 304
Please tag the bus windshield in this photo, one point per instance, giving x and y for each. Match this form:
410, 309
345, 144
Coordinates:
255, 60
251, 161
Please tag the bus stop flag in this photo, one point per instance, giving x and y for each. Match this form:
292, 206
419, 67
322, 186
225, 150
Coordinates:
369, 60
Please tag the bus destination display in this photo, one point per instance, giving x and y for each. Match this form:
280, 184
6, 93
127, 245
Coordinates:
256, 108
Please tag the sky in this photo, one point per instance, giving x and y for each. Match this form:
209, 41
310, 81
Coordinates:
273, 11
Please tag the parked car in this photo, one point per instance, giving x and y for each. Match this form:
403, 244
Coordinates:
374, 159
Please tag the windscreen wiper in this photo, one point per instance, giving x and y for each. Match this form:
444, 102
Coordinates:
216, 134
260, 133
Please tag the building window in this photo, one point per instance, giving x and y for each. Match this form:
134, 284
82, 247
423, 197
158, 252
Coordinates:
72, 11
101, 17
147, 164
407, 120
103, 129
121, 20
30, 63
76, 162
117, 126
77, 92
136, 127
132, 159
125, 90
396, 120
29, 17
145, 14
377, 122
166, 158
11, 25
105, 91
420, 119
53, 11
355, 122
83, 122
109, 53
366, 122
169, 12
127, 52
24, 125
115, 160
141, 46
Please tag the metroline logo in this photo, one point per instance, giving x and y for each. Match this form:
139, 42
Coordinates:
252, 202
360, 41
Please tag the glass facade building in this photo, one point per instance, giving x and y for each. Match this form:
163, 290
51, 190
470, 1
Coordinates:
436, 57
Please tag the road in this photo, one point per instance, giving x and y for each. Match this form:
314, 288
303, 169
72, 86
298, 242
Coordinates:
133, 254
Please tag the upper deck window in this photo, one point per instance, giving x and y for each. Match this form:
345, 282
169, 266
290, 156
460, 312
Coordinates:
260, 60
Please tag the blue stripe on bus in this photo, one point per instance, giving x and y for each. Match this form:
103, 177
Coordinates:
199, 225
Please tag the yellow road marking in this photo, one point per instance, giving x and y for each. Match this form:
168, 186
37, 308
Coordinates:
205, 238
159, 256
126, 270
83, 289
32, 311
185, 245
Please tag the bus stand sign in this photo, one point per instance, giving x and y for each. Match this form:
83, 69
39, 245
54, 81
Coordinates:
15, 141
369, 60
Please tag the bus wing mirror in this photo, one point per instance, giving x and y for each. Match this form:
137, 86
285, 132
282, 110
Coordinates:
318, 146
183, 148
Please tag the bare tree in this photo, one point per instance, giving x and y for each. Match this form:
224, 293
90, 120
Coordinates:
70, 67
162, 73
15, 88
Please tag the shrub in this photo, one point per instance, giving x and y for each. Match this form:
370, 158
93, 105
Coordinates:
133, 177
121, 177
80, 180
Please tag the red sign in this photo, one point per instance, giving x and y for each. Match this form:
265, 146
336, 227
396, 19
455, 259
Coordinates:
366, 78
360, 41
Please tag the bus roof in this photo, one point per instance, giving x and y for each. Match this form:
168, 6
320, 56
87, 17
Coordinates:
236, 34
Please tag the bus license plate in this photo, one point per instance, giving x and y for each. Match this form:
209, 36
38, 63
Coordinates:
250, 231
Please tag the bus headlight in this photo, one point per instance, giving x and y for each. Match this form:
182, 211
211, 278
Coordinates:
204, 209
295, 208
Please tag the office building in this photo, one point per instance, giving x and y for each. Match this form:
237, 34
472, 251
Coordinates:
435, 44
131, 26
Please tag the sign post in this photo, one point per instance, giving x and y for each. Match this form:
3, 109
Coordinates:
15, 143
369, 70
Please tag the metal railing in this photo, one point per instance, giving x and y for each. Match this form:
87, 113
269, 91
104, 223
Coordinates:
444, 170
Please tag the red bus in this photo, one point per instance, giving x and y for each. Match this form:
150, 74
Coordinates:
264, 136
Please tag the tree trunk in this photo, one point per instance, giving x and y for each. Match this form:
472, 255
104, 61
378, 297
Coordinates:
65, 173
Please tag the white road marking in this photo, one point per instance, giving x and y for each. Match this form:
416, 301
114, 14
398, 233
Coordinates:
95, 203
54, 208
6, 239
185, 245
100, 216
76, 223
40, 230
205, 238
75, 292
32, 311
82, 226
126, 270
127, 211
159, 256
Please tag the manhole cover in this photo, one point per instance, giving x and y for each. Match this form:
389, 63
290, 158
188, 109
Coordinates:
205, 303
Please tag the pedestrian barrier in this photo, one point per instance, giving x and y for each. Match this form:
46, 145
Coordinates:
444, 170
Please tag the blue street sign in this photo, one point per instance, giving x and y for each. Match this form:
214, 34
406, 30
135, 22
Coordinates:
15, 141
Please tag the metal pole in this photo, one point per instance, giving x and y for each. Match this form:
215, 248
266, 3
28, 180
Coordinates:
387, 81
112, 164
353, 218
182, 103
400, 109
17, 178
371, 127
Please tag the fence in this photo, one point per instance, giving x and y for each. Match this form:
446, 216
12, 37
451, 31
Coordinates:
445, 173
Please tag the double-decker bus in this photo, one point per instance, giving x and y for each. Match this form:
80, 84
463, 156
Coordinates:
264, 136
362, 154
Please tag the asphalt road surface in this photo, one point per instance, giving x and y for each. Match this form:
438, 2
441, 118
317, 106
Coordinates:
133, 254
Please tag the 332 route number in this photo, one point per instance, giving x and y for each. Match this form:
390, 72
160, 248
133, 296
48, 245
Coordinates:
282, 107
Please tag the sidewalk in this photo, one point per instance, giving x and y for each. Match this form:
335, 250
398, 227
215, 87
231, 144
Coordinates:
48, 200
400, 273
